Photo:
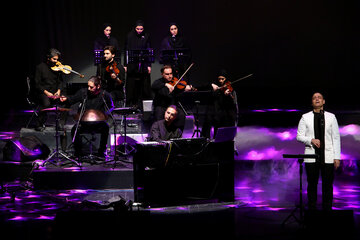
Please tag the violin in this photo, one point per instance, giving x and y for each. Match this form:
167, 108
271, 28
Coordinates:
180, 83
65, 69
112, 68
227, 86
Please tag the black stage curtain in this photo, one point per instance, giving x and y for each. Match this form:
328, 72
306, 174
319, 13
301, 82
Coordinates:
291, 47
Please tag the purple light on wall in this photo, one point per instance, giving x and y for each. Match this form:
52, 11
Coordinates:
286, 135
351, 129
268, 153
18, 218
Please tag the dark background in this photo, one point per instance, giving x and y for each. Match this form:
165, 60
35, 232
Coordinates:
292, 47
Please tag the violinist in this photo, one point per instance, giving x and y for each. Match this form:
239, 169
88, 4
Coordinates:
48, 84
223, 111
166, 95
112, 75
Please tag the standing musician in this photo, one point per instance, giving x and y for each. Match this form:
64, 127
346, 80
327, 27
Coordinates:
175, 51
48, 84
105, 38
112, 75
166, 95
223, 111
98, 101
138, 72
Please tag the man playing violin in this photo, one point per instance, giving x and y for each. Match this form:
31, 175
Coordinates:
166, 95
48, 84
112, 75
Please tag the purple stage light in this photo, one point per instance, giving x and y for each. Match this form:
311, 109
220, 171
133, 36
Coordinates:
351, 129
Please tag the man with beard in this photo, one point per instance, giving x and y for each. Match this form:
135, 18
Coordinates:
164, 130
96, 100
112, 75
138, 70
166, 94
48, 84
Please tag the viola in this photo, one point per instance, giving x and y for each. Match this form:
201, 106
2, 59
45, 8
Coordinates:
65, 69
112, 68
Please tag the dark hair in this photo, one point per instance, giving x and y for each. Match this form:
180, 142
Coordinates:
96, 80
319, 93
52, 52
112, 49
165, 67
174, 107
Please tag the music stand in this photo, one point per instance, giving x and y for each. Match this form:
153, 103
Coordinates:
128, 149
139, 56
56, 152
300, 158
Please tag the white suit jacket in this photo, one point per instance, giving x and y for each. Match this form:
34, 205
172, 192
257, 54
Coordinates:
306, 132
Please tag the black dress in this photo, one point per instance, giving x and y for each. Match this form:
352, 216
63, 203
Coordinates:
138, 79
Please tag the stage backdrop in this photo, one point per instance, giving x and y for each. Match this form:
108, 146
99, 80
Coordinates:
291, 47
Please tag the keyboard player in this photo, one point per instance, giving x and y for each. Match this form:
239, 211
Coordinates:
164, 130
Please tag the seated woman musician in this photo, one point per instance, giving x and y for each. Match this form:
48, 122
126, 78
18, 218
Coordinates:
97, 106
164, 130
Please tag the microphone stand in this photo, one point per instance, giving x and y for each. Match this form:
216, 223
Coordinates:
82, 111
114, 123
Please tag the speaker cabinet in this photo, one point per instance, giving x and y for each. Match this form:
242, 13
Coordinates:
25, 149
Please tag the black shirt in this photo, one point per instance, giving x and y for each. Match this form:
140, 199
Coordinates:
163, 97
47, 79
319, 127
96, 102
161, 132
107, 82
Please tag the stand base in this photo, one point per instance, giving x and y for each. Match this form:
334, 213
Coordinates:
299, 220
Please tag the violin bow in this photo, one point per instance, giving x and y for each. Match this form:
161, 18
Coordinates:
184, 74
237, 80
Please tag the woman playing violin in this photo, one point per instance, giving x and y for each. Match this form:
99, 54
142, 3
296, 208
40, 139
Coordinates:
223, 111
112, 75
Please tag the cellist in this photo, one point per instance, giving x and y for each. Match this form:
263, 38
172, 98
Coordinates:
166, 95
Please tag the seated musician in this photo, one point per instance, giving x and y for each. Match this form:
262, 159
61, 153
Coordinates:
166, 95
98, 101
164, 129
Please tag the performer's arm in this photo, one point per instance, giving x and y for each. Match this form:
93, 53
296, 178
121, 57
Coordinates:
155, 132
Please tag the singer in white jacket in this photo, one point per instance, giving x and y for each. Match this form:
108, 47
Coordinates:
319, 131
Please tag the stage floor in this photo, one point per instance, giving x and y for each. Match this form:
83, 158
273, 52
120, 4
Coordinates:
266, 192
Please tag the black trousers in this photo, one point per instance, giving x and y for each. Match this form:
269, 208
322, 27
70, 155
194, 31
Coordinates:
327, 176
46, 102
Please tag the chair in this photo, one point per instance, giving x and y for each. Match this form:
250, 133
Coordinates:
31, 101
